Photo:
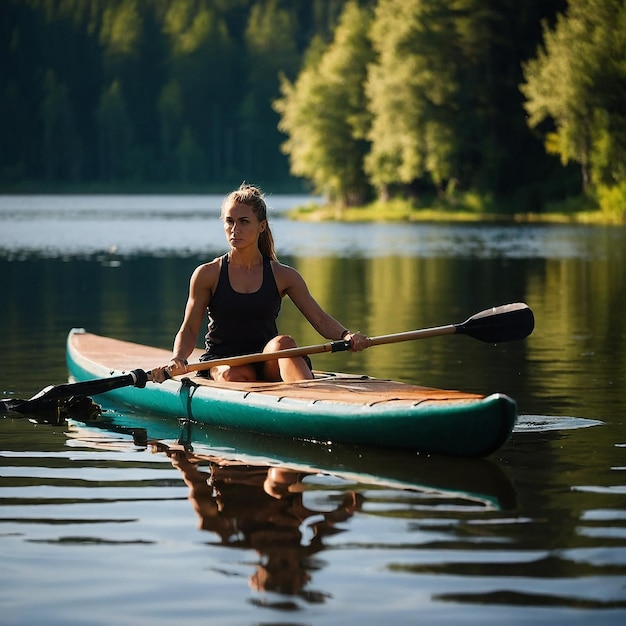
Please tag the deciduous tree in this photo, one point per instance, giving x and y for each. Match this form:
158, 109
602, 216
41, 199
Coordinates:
577, 85
325, 116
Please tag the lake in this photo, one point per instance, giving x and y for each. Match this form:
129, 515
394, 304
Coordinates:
97, 527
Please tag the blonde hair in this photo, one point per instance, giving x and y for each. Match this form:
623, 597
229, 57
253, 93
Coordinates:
254, 198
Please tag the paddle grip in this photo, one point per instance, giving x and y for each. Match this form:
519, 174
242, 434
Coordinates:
341, 345
140, 378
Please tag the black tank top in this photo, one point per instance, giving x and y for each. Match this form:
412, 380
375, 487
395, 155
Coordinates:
242, 323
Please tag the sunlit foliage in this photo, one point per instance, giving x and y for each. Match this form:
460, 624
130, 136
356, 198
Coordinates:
416, 99
325, 115
575, 90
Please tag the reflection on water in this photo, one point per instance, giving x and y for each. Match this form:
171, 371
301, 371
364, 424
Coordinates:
100, 529
262, 508
316, 528
543, 423
258, 507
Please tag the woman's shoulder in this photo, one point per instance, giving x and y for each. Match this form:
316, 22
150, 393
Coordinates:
281, 269
286, 276
208, 271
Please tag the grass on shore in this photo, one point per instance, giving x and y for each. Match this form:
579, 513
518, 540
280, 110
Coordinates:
398, 210
465, 207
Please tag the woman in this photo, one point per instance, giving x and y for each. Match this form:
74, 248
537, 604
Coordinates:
242, 292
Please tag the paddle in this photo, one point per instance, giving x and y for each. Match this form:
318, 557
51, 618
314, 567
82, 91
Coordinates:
508, 322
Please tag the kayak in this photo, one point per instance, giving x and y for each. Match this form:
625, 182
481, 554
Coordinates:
333, 407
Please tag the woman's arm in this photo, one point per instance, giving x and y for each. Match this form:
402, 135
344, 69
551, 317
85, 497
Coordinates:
201, 288
291, 283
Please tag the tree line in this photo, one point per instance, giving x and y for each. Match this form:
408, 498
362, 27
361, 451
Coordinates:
149, 91
518, 103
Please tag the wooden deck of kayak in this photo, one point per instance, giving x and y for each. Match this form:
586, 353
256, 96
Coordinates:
122, 356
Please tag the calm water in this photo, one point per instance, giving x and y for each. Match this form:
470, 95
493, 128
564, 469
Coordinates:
98, 528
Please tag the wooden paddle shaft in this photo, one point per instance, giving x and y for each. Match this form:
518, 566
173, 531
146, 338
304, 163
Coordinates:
424, 333
332, 346
245, 359
503, 323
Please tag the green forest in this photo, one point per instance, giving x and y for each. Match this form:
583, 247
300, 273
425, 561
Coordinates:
475, 103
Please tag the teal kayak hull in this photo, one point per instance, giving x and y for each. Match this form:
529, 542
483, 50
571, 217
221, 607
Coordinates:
340, 408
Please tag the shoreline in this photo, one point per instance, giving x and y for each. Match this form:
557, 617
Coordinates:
327, 213
398, 210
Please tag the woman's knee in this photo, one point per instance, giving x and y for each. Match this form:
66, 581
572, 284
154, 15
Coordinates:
237, 374
280, 342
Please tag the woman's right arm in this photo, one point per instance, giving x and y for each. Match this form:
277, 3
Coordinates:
200, 290
201, 287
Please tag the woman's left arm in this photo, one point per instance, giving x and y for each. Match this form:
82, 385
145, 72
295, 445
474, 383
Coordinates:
291, 283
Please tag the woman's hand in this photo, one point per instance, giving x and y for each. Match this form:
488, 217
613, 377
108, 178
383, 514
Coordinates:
358, 341
176, 367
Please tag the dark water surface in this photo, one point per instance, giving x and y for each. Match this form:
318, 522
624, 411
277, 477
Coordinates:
98, 528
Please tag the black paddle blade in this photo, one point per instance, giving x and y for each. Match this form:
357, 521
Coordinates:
508, 322
57, 411
136, 378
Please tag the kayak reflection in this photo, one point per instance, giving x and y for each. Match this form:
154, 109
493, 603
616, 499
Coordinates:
262, 493
262, 508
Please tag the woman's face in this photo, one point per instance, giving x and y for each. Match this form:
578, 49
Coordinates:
242, 226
